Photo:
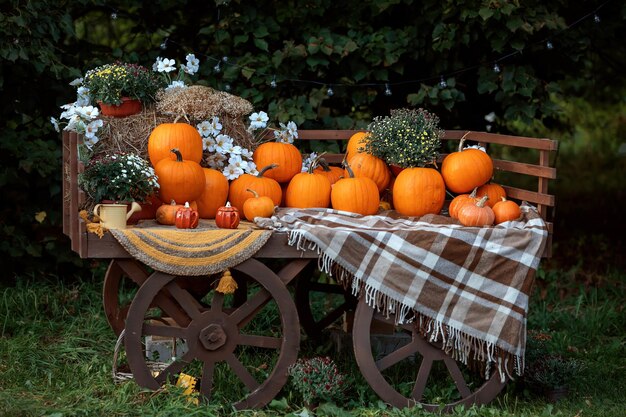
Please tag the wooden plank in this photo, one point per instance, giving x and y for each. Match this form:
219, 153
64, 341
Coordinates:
107, 247
82, 239
326, 134
65, 184
515, 141
74, 191
543, 172
530, 196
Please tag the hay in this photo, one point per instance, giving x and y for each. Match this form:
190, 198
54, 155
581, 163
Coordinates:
201, 103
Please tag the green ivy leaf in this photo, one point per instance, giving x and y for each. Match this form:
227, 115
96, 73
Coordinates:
261, 44
485, 13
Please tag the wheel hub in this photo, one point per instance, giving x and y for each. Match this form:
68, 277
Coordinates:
213, 337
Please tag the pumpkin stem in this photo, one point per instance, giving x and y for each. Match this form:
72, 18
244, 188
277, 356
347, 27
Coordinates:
473, 193
315, 163
463, 140
482, 201
324, 165
179, 156
265, 169
256, 195
347, 166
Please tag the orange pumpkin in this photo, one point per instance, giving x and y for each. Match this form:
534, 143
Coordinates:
257, 206
227, 217
459, 201
214, 195
285, 155
356, 144
366, 165
356, 195
179, 180
261, 183
186, 217
466, 169
495, 192
181, 136
332, 173
506, 210
166, 213
308, 189
479, 214
418, 191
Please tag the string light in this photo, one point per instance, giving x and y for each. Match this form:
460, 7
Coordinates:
273, 82
113, 16
387, 89
443, 83
217, 68
225, 59
163, 45
227, 87
549, 45
496, 68
330, 92
596, 18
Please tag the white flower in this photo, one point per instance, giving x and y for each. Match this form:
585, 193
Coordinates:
235, 160
83, 98
216, 126
76, 82
176, 84
233, 149
258, 120
166, 65
216, 160
306, 163
222, 142
490, 117
246, 153
193, 64
204, 128
190, 69
155, 66
91, 141
480, 148
55, 124
208, 143
251, 168
292, 128
92, 128
232, 172
87, 112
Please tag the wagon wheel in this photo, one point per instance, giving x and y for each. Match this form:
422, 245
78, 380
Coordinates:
116, 299
320, 304
263, 332
414, 371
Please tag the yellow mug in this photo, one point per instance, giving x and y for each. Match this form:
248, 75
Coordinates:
114, 216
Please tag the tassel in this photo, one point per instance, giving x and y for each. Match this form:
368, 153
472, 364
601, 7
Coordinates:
227, 284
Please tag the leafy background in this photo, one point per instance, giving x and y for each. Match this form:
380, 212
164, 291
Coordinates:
573, 93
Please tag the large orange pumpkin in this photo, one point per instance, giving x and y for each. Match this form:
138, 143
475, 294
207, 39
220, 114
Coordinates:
356, 144
366, 165
494, 191
356, 195
418, 191
179, 180
308, 189
181, 136
466, 169
260, 183
214, 195
285, 155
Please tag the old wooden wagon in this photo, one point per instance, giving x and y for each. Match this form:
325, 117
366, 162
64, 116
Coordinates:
279, 284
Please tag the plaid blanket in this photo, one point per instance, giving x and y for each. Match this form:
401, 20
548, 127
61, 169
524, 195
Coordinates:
466, 287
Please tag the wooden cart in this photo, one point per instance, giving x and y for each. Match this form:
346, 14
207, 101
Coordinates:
219, 331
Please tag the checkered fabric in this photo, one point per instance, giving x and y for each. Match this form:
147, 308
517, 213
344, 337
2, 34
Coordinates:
466, 287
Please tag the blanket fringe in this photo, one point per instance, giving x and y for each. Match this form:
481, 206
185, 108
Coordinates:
459, 345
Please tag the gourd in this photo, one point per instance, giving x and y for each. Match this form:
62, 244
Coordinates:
494, 191
418, 191
285, 155
181, 136
331, 172
466, 169
506, 210
214, 195
261, 183
227, 217
179, 179
356, 195
366, 165
308, 189
356, 144
479, 214
459, 201
257, 206
186, 217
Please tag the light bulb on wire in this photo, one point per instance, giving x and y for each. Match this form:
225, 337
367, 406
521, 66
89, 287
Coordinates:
387, 90
217, 67
273, 82
330, 92
443, 83
596, 18
549, 45
496, 68
163, 45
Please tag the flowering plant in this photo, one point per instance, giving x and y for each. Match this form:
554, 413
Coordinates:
407, 138
110, 82
317, 379
118, 176
166, 66
234, 160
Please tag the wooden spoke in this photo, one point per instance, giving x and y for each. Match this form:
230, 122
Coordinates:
326, 288
217, 302
164, 330
396, 356
242, 372
175, 367
244, 314
422, 379
206, 385
260, 341
457, 377
190, 305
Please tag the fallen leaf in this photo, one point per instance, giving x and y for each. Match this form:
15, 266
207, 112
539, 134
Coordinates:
40, 216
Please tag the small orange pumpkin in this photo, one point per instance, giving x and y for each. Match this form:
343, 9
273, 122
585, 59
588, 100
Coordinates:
257, 206
356, 195
479, 214
466, 169
285, 155
366, 165
227, 217
356, 144
181, 136
186, 217
179, 179
459, 201
494, 191
506, 210
418, 191
261, 183
308, 189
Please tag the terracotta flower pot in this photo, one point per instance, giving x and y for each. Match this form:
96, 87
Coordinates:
128, 107
395, 170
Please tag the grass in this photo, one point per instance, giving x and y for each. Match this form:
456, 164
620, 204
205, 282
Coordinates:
56, 351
